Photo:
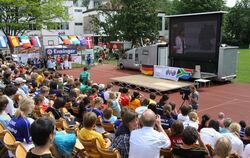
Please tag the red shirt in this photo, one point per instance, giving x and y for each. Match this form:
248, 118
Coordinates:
176, 140
124, 100
43, 106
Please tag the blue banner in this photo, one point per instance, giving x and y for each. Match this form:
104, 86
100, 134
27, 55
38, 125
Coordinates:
60, 51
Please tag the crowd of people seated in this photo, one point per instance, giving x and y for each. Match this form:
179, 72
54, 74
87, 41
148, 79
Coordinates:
33, 100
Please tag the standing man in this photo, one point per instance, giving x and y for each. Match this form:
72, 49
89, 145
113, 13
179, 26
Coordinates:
194, 97
84, 76
147, 142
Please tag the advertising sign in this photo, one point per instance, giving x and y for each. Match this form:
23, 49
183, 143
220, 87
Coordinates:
60, 51
166, 72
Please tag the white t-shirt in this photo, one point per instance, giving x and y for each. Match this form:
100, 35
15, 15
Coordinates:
191, 124
21, 92
147, 142
209, 136
237, 144
246, 153
182, 118
10, 109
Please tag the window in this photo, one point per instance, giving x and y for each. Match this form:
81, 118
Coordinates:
145, 52
159, 23
130, 56
58, 26
136, 57
78, 10
64, 26
78, 24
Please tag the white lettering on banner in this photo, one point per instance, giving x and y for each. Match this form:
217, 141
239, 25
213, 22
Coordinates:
60, 51
166, 72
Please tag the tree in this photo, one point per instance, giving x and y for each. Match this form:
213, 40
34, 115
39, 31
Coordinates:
130, 20
195, 6
17, 16
237, 24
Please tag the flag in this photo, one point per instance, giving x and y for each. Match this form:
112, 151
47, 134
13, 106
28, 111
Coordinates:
147, 70
184, 73
35, 41
14, 41
3, 42
74, 40
89, 42
25, 41
65, 40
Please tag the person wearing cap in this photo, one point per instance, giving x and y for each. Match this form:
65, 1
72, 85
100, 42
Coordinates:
122, 135
19, 82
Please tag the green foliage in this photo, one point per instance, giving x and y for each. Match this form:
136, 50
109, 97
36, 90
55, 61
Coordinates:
196, 6
17, 15
129, 20
237, 24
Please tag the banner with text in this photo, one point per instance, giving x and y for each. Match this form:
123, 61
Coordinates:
166, 72
60, 51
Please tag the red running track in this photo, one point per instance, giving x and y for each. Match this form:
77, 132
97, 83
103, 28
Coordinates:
231, 98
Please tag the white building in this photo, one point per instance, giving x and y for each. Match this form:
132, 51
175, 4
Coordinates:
72, 27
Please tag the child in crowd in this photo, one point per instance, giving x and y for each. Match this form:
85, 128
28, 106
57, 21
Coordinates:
108, 116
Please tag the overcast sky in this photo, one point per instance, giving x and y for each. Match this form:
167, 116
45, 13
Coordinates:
230, 3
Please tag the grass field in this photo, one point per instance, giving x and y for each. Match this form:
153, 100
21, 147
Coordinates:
243, 74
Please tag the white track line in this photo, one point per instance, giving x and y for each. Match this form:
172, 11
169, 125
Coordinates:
212, 107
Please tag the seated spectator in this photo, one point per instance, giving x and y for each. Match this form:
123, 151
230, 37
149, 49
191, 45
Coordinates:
44, 92
242, 128
88, 132
135, 101
122, 135
222, 148
143, 107
101, 91
166, 119
147, 142
209, 135
53, 89
188, 149
193, 120
246, 153
204, 121
115, 103
227, 123
96, 107
19, 82
59, 103
183, 116
19, 125
234, 137
118, 122
152, 107
69, 85
174, 113
161, 103
246, 138
177, 129
42, 133
221, 118
109, 89
4, 117
124, 99
39, 103
152, 98
10, 91
108, 116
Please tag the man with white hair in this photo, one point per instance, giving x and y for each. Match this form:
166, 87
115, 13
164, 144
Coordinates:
234, 137
147, 142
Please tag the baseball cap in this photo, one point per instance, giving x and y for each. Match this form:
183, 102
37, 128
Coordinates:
19, 80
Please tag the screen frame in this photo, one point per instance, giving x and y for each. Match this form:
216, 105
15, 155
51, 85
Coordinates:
174, 56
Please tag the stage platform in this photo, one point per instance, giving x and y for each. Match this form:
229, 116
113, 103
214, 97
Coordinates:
149, 83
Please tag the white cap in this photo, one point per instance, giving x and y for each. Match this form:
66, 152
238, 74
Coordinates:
19, 80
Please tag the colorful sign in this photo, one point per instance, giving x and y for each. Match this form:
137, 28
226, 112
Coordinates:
14, 42
3, 42
166, 72
35, 41
185, 73
25, 42
60, 51
89, 42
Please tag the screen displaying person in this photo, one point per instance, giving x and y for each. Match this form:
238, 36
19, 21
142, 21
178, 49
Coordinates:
180, 42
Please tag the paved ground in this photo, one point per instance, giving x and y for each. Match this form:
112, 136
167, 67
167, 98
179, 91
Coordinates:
231, 98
